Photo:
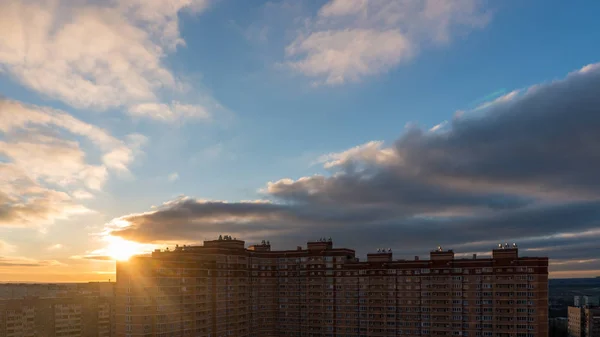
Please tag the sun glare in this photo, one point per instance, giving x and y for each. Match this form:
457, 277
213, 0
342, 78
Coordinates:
120, 249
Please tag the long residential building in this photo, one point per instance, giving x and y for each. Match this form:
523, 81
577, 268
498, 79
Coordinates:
79, 316
10, 291
225, 289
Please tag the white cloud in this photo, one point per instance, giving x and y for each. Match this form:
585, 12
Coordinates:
56, 247
439, 127
47, 167
82, 194
27, 203
93, 54
372, 152
351, 39
348, 55
117, 154
171, 112
53, 160
502, 99
173, 177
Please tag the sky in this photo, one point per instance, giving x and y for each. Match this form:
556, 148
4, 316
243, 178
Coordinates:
131, 125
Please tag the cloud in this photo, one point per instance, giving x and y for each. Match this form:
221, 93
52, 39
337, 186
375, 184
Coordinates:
348, 55
82, 194
439, 127
57, 246
46, 165
523, 169
26, 203
173, 177
170, 112
371, 151
503, 98
350, 40
26, 262
35, 120
97, 54
6, 247
53, 160
93, 257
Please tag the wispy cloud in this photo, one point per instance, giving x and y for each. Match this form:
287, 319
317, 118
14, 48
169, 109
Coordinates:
99, 54
439, 127
93, 257
352, 39
7, 248
82, 194
488, 97
46, 169
170, 112
27, 262
173, 177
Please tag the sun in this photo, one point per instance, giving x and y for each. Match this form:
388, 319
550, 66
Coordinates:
122, 250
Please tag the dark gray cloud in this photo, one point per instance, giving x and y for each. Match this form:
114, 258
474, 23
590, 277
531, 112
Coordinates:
525, 168
545, 139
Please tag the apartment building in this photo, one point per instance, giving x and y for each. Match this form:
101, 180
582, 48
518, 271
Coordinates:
57, 317
584, 321
225, 289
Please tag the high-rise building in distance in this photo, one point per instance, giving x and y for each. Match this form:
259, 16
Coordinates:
225, 289
586, 301
584, 321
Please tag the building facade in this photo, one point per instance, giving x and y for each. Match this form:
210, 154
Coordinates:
224, 289
584, 321
57, 317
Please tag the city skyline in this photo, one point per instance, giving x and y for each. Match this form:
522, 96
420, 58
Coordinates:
128, 126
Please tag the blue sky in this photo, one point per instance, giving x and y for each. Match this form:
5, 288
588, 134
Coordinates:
215, 99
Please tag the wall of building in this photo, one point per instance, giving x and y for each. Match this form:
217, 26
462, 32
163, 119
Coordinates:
226, 290
82, 316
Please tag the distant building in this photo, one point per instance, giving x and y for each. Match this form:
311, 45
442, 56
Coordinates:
586, 301
43, 290
584, 322
558, 327
224, 289
82, 316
